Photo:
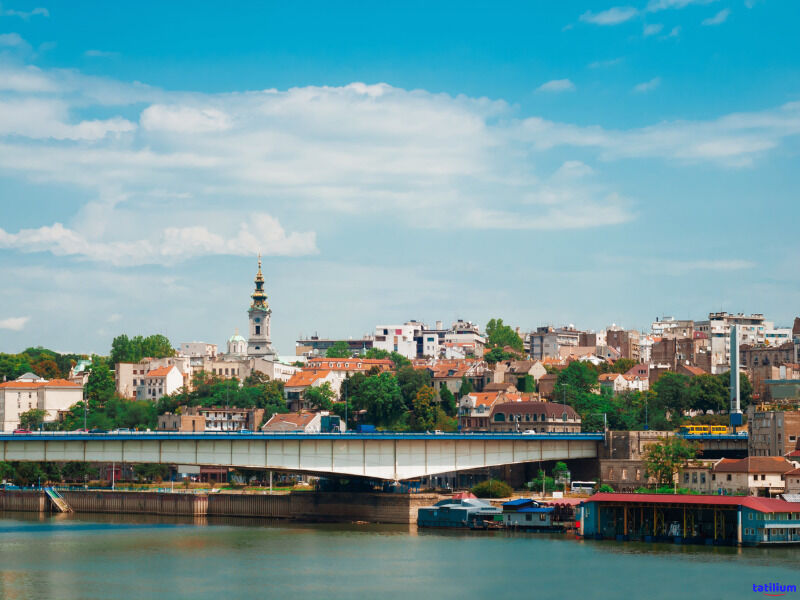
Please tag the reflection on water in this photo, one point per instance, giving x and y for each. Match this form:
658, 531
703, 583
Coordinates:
151, 556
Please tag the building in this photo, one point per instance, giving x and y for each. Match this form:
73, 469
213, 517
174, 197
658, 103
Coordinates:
515, 371
259, 343
184, 423
451, 374
317, 346
219, 418
541, 417
772, 432
159, 382
624, 341
475, 408
294, 389
414, 339
670, 327
527, 514
752, 331
754, 475
304, 422
236, 346
30, 391
763, 362
690, 519
197, 349
129, 377
547, 342
621, 461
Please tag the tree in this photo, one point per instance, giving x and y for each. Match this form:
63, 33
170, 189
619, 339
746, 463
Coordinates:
100, 385
672, 394
151, 471
745, 388
466, 387
339, 350
47, 368
535, 484
499, 354
32, 418
448, 402
320, 397
412, 380
499, 335
622, 365
663, 458
526, 384
577, 377
399, 360
380, 396
125, 349
377, 353
493, 488
424, 411
707, 392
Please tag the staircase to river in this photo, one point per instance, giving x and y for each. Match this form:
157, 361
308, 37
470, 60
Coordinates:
57, 500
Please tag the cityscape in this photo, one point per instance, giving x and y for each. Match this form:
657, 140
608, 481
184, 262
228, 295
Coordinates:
445, 300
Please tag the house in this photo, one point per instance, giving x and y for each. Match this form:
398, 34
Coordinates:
304, 422
30, 391
547, 384
690, 370
223, 418
754, 475
513, 371
541, 417
451, 373
159, 382
185, 423
527, 514
613, 382
474, 409
302, 380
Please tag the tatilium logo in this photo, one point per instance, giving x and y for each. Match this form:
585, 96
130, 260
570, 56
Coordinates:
774, 589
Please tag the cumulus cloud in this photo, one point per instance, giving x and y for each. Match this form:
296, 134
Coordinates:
612, 16
14, 323
39, 11
647, 86
184, 119
12, 40
557, 85
652, 29
658, 5
718, 18
262, 233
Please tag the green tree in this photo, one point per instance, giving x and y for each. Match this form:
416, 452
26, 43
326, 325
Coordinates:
399, 360
466, 387
377, 353
100, 385
577, 377
32, 418
412, 380
662, 459
745, 388
379, 395
320, 397
499, 354
672, 394
125, 349
448, 402
424, 411
526, 384
707, 392
535, 484
151, 471
493, 488
500, 335
339, 350
78, 471
47, 368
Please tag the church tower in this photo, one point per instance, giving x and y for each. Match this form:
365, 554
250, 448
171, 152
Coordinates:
259, 344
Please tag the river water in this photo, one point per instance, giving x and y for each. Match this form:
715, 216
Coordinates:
132, 558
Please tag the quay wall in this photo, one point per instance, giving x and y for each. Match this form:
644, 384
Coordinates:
304, 506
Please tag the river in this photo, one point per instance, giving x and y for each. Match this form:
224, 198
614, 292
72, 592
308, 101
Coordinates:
132, 558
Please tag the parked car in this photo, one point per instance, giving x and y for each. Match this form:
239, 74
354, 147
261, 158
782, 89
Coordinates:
96, 430
22, 431
245, 431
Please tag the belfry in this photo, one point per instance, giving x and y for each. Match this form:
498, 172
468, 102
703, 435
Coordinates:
259, 344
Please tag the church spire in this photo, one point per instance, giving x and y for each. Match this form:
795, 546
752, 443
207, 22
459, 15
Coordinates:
259, 296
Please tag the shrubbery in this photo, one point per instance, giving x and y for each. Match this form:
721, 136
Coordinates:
493, 488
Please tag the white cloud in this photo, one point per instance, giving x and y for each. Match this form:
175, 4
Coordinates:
602, 64
12, 40
100, 54
29, 80
674, 32
557, 85
14, 323
184, 119
647, 86
658, 5
652, 29
612, 16
262, 233
718, 18
8, 12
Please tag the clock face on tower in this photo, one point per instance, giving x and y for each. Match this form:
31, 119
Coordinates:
257, 319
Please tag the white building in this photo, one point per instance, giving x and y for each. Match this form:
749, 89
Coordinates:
159, 382
259, 344
398, 338
197, 349
752, 330
31, 391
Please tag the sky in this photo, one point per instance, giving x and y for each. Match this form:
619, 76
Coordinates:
581, 163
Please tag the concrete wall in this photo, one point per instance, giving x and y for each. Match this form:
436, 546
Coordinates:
306, 506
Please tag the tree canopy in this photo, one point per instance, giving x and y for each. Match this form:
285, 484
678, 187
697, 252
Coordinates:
125, 349
662, 459
339, 350
499, 335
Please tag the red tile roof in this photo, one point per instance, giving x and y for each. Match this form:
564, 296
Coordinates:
27, 385
297, 419
349, 364
306, 378
160, 372
60, 383
759, 504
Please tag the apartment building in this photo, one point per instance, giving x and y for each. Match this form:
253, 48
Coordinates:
30, 391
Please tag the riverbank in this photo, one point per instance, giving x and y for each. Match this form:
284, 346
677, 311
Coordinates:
305, 505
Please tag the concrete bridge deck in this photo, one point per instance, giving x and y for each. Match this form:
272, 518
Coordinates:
388, 456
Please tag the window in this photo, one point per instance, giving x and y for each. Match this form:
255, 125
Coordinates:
713, 477
529, 517
729, 476
694, 477
258, 329
702, 477
763, 477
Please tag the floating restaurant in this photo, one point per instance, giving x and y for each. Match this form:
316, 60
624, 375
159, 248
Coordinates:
691, 519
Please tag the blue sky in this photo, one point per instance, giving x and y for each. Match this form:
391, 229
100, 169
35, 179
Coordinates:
582, 163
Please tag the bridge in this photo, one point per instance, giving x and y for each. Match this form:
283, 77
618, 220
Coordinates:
387, 456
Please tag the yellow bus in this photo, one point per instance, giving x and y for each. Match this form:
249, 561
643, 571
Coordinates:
703, 430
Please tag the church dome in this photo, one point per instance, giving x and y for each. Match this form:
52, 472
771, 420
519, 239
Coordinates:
236, 338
